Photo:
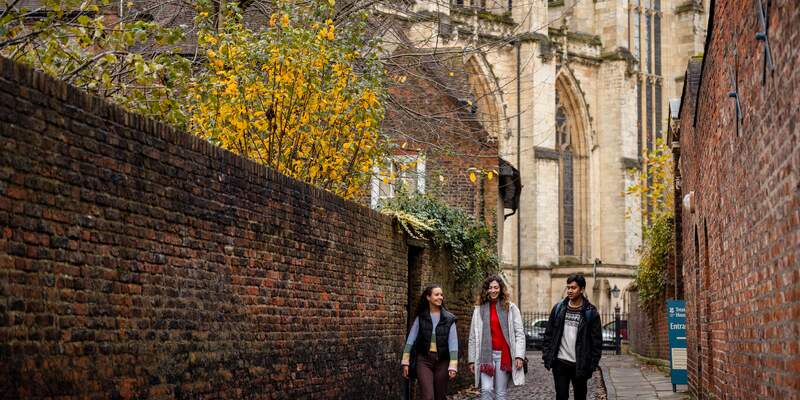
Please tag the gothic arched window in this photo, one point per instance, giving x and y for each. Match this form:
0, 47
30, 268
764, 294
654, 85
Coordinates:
566, 193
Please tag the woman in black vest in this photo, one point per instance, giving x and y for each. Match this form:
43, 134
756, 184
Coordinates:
432, 345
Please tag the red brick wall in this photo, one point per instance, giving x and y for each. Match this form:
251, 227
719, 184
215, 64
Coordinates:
426, 112
136, 261
741, 246
647, 329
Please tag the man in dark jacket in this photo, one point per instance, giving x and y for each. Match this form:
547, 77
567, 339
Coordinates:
573, 340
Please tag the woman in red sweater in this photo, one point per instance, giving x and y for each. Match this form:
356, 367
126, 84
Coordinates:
496, 341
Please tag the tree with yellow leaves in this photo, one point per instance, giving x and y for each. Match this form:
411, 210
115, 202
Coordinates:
302, 95
119, 55
658, 242
655, 182
298, 96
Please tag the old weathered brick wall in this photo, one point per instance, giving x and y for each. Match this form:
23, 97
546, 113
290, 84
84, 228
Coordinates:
137, 261
432, 110
647, 329
741, 242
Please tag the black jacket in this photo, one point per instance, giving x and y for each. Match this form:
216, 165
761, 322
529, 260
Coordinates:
423, 343
588, 344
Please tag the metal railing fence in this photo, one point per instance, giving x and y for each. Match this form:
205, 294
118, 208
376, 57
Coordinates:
614, 328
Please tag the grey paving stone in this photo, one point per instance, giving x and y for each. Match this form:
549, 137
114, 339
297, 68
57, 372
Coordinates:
626, 379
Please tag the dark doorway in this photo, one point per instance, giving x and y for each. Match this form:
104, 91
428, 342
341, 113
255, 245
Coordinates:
413, 289
414, 282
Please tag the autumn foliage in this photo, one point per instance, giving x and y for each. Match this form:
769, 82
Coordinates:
294, 96
655, 187
129, 60
301, 95
655, 182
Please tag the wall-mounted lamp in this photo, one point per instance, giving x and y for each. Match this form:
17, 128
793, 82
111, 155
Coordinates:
688, 202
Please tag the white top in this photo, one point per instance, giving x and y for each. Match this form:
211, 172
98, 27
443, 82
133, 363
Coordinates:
566, 351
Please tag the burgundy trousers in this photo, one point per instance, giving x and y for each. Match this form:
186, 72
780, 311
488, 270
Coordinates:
433, 376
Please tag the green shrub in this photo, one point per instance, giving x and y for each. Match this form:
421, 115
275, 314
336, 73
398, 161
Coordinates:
472, 245
657, 245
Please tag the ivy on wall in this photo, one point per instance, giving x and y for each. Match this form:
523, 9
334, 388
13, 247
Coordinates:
655, 187
658, 244
471, 243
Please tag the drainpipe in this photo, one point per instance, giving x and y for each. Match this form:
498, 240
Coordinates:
519, 168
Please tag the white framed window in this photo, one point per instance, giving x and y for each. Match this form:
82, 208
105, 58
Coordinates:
402, 171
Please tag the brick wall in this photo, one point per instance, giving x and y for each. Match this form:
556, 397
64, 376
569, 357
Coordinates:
137, 261
428, 112
647, 329
741, 240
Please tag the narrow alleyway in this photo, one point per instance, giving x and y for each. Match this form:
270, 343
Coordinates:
538, 383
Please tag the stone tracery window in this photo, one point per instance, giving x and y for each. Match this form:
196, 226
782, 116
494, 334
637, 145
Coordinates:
566, 182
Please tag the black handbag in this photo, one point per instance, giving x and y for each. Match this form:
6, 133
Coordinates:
525, 365
412, 365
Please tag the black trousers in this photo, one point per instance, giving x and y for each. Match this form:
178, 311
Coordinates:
563, 374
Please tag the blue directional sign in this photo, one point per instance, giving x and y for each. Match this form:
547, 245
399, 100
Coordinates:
676, 324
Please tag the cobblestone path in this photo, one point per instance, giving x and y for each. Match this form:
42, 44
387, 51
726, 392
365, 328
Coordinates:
538, 383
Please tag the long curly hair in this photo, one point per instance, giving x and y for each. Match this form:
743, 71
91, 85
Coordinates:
422, 304
504, 297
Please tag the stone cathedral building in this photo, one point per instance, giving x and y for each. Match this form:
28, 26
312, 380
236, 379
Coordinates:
573, 91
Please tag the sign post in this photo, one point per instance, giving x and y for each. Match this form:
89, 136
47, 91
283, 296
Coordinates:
676, 323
